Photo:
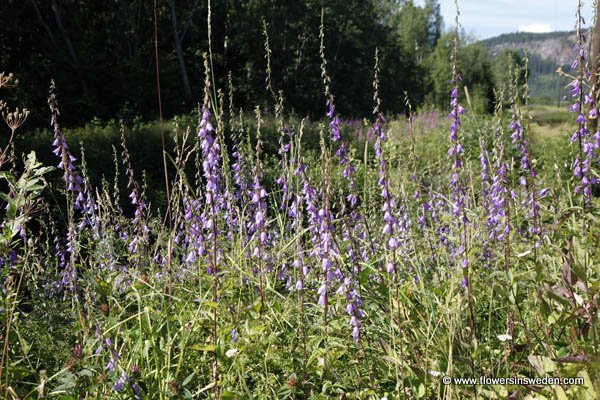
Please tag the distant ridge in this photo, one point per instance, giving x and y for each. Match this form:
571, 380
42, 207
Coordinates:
547, 52
556, 47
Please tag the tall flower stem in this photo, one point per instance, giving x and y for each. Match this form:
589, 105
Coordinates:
74, 195
459, 195
326, 232
296, 211
258, 222
166, 171
211, 165
521, 140
393, 231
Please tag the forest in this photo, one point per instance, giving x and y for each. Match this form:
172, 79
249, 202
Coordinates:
101, 54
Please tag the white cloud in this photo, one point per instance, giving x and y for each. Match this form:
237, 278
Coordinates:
488, 18
535, 28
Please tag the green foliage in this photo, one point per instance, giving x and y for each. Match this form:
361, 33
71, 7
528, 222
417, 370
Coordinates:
101, 54
545, 85
505, 65
417, 28
24, 192
165, 334
475, 68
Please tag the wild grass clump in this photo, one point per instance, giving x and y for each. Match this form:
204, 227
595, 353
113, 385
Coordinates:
305, 259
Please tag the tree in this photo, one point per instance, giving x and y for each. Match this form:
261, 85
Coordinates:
508, 61
416, 28
178, 36
476, 70
439, 73
435, 22
474, 66
101, 53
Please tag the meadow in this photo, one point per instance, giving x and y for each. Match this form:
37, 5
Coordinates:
276, 256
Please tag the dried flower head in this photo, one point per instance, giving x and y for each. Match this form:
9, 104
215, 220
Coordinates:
7, 80
77, 351
104, 308
174, 387
292, 381
15, 119
71, 364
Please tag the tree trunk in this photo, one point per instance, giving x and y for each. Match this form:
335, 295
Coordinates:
179, 50
44, 24
70, 47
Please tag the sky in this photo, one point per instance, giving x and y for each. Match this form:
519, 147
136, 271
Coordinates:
488, 18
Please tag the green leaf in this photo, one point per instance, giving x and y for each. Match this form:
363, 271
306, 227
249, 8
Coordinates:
34, 187
226, 395
8, 176
188, 379
560, 393
588, 384
543, 365
203, 347
86, 372
579, 271
525, 253
25, 347
211, 304
552, 294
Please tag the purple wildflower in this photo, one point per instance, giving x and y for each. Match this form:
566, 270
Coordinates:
211, 158
282, 180
61, 149
391, 228
457, 184
123, 379
456, 150
140, 231
194, 237
137, 391
529, 201
587, 148
327, 251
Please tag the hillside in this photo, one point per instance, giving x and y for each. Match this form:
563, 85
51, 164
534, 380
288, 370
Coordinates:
547, 51
553, 46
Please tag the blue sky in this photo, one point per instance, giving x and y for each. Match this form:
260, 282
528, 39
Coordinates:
488, 18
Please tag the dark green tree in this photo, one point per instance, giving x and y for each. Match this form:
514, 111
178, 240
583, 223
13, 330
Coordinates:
101, 53
474, 66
